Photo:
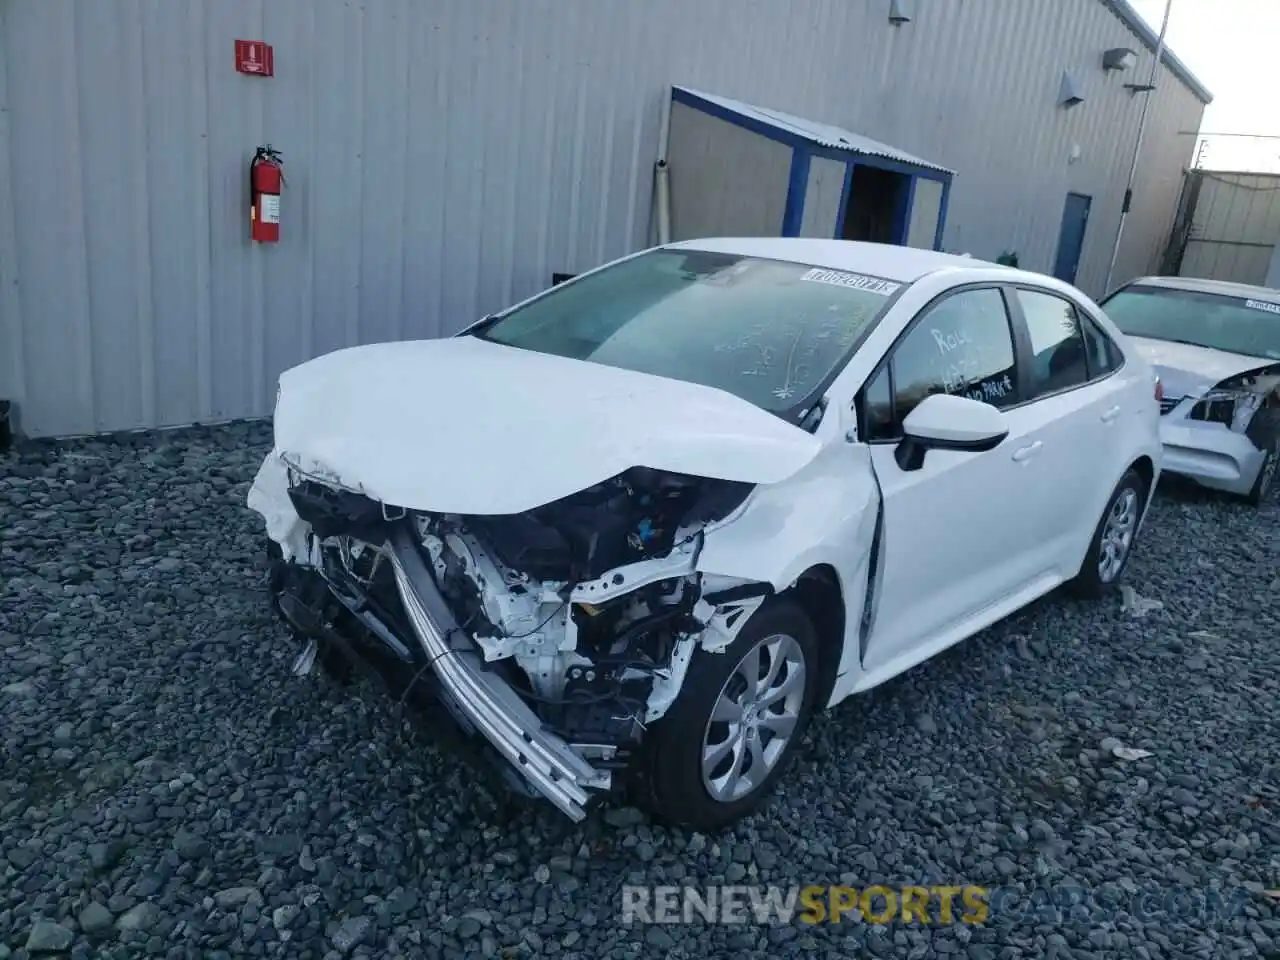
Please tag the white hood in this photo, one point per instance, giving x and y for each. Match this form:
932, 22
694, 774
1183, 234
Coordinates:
462, 425
1187, 370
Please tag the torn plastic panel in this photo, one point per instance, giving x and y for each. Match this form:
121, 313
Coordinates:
594, 653
1239, 402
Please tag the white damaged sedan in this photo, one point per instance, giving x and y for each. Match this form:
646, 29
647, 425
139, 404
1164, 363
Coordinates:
1216, 348
633, 532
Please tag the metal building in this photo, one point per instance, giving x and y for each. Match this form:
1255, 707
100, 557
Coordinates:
446, 157
1228, 228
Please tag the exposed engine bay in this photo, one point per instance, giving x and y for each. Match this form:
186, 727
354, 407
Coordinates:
1248, 403
589, 606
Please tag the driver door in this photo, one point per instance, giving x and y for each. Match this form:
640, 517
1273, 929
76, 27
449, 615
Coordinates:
959, 533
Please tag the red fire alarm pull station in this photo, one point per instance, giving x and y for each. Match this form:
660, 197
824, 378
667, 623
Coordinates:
255, 58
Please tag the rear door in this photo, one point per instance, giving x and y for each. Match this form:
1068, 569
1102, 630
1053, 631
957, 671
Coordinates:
1073, 410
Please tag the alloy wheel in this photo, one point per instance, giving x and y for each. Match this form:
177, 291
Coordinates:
1117, 535
754, 718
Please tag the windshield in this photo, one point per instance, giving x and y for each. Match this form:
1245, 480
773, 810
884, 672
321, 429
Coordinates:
770, 332
1235, 324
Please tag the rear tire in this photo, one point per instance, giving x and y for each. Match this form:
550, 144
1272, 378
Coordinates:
707, 774
1113, 538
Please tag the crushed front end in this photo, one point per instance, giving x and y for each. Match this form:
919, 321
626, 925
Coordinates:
1226, 437
555, 635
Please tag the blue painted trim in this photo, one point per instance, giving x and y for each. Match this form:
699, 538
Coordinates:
844, 199
798, 142
797, 187
902, 216
942, 215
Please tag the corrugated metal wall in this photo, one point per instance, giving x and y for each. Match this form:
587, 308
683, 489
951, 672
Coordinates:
1235, 227
444, 157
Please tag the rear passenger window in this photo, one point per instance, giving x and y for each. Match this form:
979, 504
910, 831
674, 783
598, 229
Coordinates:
1057, 345
1101, 352
961, 345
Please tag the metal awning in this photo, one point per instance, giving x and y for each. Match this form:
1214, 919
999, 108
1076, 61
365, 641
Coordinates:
813, 132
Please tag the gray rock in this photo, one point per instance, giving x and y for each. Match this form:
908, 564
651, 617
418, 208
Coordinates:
142, 917
95, 919
22, 857
49, 937
623, 817
350, 932
104, 856
190, 846
235, 897
657, 936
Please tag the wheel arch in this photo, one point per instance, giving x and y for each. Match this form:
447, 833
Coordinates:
820, 595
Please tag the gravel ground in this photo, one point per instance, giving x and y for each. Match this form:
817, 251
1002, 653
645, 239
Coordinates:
166, 788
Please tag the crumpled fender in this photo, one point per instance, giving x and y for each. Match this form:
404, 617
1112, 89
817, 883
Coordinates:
825, 514
269, 496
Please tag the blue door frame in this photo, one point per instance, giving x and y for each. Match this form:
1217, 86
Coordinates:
1075, 221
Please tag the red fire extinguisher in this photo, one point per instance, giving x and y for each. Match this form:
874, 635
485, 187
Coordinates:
266, 179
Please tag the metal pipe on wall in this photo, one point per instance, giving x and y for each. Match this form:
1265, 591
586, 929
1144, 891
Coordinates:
661, 177
1137, 146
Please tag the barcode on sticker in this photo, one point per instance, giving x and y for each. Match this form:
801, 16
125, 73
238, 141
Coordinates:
1263, 305
854, 281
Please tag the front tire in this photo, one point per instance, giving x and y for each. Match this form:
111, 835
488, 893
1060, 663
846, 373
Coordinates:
716, 755
1266, 475
1113, 538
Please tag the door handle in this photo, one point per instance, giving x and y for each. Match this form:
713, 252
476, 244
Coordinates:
1110, 414
1023, 454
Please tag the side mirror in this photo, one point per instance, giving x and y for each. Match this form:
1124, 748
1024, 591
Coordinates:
945, 422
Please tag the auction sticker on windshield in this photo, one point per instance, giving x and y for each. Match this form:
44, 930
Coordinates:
1263, 305
855, 281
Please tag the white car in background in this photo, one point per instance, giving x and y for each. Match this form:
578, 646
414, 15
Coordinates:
1216, 349
633, 532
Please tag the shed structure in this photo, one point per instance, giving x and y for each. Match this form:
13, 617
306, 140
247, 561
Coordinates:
743, 170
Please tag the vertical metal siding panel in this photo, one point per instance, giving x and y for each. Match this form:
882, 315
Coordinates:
13, 354
283, 272
351, 103
107, 104
139, 160
381, 222
333, 172
500, 141
234, 124
174, 196
47, 197
425, 159
461, 186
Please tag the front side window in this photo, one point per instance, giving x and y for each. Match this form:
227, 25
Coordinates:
1057, 344
1235, 324
961, 345
772, 332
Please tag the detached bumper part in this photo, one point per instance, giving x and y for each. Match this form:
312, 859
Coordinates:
491, 706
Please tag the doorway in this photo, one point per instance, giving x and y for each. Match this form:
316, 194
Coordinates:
1075, 220
876, 206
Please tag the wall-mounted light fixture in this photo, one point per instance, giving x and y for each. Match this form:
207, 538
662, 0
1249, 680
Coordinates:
1069, 92
899, 12
1119, 58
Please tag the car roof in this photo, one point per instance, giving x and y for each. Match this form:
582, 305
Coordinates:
890, 261
1224, 287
